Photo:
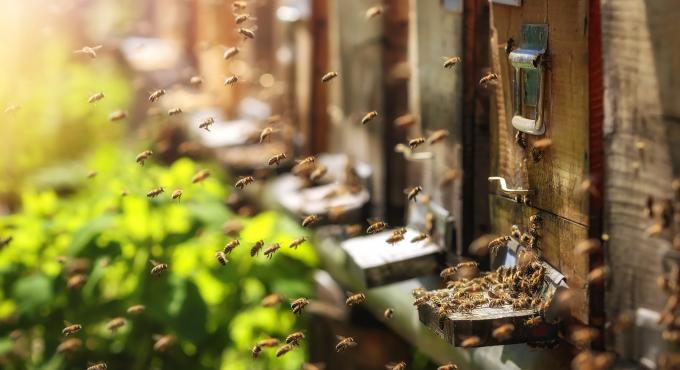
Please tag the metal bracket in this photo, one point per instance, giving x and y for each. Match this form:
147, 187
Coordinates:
529, 83
506, 189
412, 156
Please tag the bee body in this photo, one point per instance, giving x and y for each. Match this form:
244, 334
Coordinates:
255, 352
174, 111
156, 95
533, 321
395, 238
345, 344
451, 62
472, 341
231, 80
115, 323
163, 343
414, 143
221, 258
255, 249
143, 156
329, 76
98, 366
397, 366
231, 246
369, 117
247, 33
90, 51
272, 300
70, 345
71, 329
117, 115
284, 349
413, 192
405, 121
389, 313
76, 281
297, 242
177, 194
310, 220
243, 182
136, 309
488, 78
374, 11
298, 305
230, 52
195, 80
265, 134
318, 173
355, 299
206, 123
375, 227
419, 237
269, 252
200, 176
155, 192
158, 268
95, 97
268, 343
438, 136
295, 338
503, 332
276, 159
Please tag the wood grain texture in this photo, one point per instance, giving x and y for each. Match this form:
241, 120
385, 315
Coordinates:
640, 53
565, 165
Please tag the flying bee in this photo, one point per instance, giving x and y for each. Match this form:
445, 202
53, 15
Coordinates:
239, 5
92, 174
297, 242
345, 344
91, 51
221, 258
597, 275
329, 76
98, 366
206, 123
319, 172
405, 121
96, 97
269, 252
255, 351
472, 341
448, 366
155, 192
143, 156
298, 305
503, 332
76, 281
158, 268
163, 342
240, 18
268, 343
231, 246
587, 246
414, 143
243, 182
389, 313
376, 226
265, 134
176, 194
488, 78
230, 80
70, 345
136, 309
255, 249
200, 176
295, 338
449, 177
174, 111
310, 220
355, 299
395, 238
451, 62
284, 349
533, 321
396, 366
306, 161
413, 193
369, 117
276, 159
374, 11
247, 33
437, 136
419, 237
195, 80
154, 96
117, 115
115, 323
272, 300
71, 329
400, 231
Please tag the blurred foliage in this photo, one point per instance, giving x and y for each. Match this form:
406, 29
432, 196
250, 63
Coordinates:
213, 310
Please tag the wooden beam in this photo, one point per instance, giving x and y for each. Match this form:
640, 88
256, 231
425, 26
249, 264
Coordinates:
319, 130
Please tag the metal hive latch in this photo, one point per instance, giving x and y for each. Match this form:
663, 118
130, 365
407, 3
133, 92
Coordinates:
529, 81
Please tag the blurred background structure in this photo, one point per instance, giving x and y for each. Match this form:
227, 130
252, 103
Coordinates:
402, 115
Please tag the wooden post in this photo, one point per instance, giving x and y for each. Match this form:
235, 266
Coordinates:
319, 130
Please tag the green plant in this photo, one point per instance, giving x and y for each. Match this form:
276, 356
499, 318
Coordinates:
213, 310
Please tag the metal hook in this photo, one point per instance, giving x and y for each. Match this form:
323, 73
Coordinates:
506, 189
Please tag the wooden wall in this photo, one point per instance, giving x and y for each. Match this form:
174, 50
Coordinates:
640, 58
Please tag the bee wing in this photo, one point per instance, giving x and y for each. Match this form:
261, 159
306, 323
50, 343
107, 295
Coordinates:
402, 148
67, 323
153, 263
156, 336
96, 47
340, 337
79, 51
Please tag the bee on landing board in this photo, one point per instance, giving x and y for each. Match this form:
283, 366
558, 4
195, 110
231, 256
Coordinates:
419, 237
158, 268
395, 238
329, 76
154, 96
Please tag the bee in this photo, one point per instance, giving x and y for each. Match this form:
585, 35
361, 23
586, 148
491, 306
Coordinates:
265, 134
70, 345
269, 252
221, 258
413, 193
375, 227
155, 192
405, 121
163, 342
284, 349
533, 321
515, 232
96, 97
158, 268
418, 238
117, 115
503, 332
276, 159
248, 33
243, 182
91, 51
437, 136
448, 366
328, 76
451, 62
143, 156
115, 323
496, 302
76, 281
472, 341
298, 305
230, 80
297, 242
352, 230
449, 177
414, 143
176, 194
389, 313
206, 123
540, 146
154, 96
396, 366
422, 300
355, 299
374, 11
498, 242
98, 366
521, 303
71, 329
231, 246
369, 117
268, 343
239, 5
318, 173
240, 18
195, 80
255, 249
310, 220
200, 176
306, 161
587, 246
597, 275
295, 338
272, 300
345, 344
174, 111
255, 352
136, 309
488, 78
395, 238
